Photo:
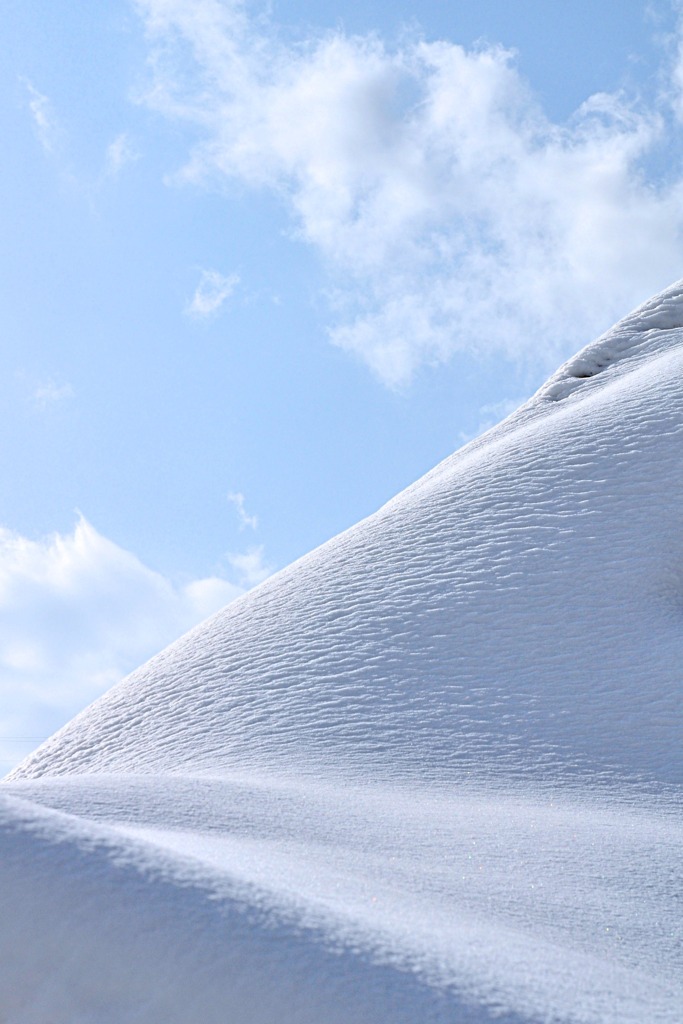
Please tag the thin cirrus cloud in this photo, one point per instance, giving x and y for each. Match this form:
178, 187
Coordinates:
490, 415
451, 212
50, 393
211, 293
43, 116
119, 154
78, 612
236, 499
250, 566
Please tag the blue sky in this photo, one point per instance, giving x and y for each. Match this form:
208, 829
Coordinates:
264, 266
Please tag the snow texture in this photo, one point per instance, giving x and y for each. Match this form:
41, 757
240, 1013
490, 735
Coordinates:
429, 773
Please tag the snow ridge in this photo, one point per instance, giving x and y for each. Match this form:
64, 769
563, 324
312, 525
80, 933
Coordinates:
431, 771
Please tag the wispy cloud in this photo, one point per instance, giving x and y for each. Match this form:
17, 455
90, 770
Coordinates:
451, 212
77, 612
43, 116
491, 415
250, 566
119, 153
50, 393
211, 292
237, 499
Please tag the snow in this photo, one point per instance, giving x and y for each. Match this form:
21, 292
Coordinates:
430, 772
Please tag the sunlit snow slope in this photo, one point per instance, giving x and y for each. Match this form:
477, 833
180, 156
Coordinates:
429, 772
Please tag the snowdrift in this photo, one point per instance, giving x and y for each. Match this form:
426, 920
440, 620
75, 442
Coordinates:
429, 772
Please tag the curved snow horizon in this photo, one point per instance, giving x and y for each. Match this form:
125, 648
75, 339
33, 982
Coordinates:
429, 772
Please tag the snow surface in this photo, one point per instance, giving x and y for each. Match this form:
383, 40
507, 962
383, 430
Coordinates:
431, 772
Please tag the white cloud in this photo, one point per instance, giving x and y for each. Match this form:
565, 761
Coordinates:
251, 566
77, 612
211, 292
43, 116
119, 153
451, 212
51, 393
237, 499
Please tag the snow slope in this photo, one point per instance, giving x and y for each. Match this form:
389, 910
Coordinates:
429, 772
